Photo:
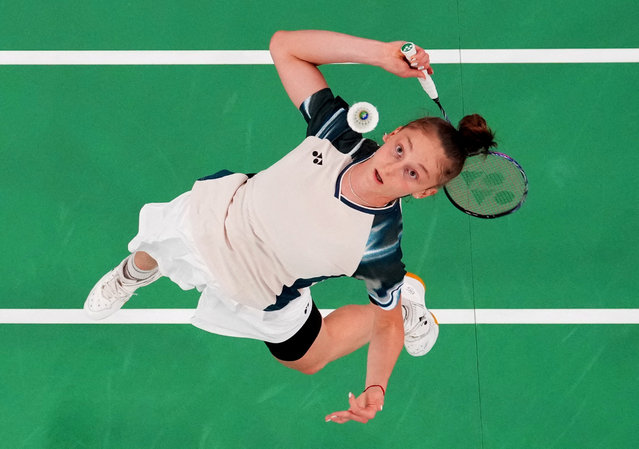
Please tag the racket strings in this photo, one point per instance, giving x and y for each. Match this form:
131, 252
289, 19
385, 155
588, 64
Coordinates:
488, 185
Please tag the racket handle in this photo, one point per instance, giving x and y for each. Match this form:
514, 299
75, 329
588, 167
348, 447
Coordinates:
408, 50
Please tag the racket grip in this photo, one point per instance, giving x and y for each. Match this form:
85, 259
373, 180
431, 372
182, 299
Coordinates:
429, 86
408, 50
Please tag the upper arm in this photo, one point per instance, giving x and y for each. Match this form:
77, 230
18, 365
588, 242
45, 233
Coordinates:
299, 77
382, 268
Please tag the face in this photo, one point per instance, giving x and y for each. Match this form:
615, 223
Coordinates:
409, 163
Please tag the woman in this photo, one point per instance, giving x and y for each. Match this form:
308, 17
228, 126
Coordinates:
254, 244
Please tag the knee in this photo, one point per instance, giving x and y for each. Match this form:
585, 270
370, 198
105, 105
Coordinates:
312, 369
305, 368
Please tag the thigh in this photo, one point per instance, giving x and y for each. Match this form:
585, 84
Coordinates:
341, 332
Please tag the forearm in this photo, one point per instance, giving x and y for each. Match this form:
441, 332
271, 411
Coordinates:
326, 47
385, 344
384, 348
297, 54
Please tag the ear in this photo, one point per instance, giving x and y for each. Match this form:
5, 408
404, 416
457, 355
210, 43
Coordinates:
386, 136
425, 193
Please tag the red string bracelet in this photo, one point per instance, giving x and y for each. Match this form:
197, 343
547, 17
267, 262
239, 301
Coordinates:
371, 386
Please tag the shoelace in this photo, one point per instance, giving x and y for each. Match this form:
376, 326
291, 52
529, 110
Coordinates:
114, 289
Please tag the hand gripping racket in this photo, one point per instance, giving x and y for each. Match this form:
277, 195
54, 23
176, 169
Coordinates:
408, 49
491, 184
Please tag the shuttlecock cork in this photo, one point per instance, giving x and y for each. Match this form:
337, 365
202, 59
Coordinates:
362, 117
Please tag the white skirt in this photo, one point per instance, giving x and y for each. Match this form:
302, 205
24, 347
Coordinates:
165, 234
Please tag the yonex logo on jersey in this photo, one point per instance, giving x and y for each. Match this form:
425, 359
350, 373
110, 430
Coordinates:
318, 158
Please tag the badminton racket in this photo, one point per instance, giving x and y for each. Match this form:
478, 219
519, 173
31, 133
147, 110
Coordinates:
491, 184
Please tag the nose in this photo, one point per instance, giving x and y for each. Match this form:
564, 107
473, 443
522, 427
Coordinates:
393, 167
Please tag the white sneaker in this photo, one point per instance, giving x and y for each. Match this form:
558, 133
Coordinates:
113, 291
420, 325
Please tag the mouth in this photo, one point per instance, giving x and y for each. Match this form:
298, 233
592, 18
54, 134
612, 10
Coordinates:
378, 177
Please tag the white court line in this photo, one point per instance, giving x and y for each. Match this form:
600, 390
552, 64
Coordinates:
243, 57
444, 316
136, 57
551, 56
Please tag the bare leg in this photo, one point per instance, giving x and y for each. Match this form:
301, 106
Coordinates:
343, 331
144, 262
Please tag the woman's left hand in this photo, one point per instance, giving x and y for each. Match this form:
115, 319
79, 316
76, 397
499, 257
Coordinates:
362, 408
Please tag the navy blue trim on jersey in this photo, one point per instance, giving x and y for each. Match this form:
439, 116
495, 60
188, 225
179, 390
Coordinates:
365, 150
334, 126
217, 175
369, 210
381, 267
394, 297
325, 116
289, 293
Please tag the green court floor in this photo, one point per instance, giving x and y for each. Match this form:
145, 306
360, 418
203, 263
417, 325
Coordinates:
83, 147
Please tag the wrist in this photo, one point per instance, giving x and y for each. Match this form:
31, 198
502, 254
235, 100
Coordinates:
375, 386
387, 53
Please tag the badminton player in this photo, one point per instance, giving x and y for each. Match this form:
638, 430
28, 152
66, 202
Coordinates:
253, 245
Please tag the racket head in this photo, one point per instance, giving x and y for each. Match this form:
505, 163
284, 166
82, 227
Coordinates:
490, 185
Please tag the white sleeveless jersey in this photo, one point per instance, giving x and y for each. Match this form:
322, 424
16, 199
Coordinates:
288, 227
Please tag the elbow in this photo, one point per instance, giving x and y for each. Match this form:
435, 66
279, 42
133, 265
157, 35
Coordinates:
277, 42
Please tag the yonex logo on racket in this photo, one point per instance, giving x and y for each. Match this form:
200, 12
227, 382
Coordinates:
490, 183
490, 186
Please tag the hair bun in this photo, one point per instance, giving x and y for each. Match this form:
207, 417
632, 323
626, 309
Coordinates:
476, 136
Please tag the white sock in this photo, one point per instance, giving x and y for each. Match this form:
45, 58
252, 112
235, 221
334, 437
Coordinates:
131, 270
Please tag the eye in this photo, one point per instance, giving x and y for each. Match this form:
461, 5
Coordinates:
399, 150
412, 173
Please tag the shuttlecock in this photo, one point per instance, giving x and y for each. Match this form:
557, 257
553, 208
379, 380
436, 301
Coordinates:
362, 117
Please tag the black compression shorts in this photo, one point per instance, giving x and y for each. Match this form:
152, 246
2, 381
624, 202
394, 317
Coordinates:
295, 347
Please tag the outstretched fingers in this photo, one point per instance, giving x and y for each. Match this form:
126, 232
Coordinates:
362, 410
